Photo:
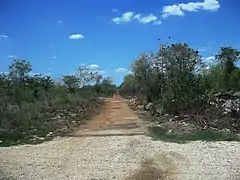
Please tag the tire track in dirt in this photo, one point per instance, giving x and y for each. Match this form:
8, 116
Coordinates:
155, 165
114, 115
150, 169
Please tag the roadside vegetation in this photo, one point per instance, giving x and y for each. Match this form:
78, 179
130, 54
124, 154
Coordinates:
185, 93
34, 107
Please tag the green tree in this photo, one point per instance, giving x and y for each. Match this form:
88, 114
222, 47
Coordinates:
72, 83
143, 73
107, 87
171, 77
227, 58
130, 86
86, 76
183, 90
19, 69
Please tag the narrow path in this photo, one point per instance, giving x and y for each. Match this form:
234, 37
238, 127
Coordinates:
112, 146
115, 118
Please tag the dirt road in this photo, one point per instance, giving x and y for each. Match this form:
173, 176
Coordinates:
112, 145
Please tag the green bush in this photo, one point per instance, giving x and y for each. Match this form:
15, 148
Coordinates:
178, 81
30, 104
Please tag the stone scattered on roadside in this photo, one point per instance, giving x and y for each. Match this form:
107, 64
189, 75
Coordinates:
148, 106
64, 129
41, 138
49, 134
224, 115
229, 102
225, 130
73, 114
74, 123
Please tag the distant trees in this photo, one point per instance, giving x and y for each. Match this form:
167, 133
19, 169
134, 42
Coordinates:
107, 88
18, 70
223, 75
130, 86
72, 83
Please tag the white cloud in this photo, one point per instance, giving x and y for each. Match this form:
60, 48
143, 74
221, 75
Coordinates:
157, 22
147, 19
129, 72
125, 18
115, 10
172, 10
5, 73
60, 22
116, 20
191, 6
178, 9
94, 67
121, 70
40, 74
102, 72
54, 57
12, 56
129, 16
211, 5
47, 74
2, 36
137, 16
209, 59
76, 36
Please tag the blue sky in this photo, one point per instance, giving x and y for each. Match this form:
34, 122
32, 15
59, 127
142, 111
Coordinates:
58, 36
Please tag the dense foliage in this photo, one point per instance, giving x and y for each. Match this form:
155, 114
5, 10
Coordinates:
177, 80
36, 105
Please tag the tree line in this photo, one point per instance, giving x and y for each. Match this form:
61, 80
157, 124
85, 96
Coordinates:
30, 103
177, 80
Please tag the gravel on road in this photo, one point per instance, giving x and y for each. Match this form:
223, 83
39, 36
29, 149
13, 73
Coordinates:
119, 157
110, 153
